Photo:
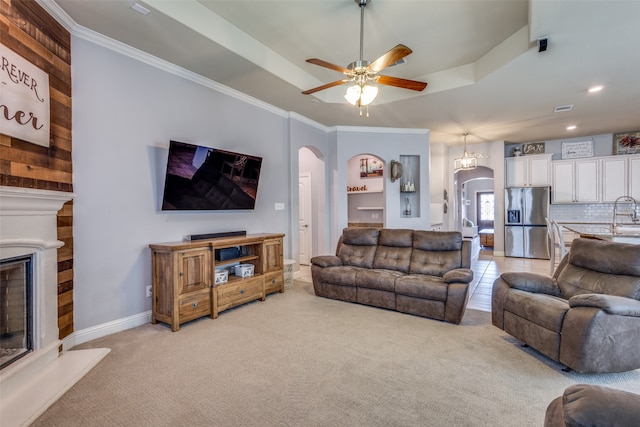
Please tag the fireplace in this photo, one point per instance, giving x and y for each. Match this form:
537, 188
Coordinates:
15, 309
39, 373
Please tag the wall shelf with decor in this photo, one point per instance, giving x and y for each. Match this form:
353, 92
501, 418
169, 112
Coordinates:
410, 186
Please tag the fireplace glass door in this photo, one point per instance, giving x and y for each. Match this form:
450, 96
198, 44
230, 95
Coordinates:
15, 309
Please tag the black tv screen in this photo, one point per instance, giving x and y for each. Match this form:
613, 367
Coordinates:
203, 178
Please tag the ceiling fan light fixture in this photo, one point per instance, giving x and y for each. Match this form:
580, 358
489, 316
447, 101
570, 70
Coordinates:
361, 95
353, 94
360, 72
369, 93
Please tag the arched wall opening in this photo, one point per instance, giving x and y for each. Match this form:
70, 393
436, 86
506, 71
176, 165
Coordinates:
365, 191
467, 184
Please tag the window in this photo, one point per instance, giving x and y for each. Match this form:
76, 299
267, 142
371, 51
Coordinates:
485, 209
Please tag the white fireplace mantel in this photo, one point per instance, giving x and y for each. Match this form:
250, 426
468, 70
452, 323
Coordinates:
28, 227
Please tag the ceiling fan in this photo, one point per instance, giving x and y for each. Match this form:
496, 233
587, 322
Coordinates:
362, 73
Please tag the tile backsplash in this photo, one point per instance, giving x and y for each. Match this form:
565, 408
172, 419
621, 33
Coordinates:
595, 212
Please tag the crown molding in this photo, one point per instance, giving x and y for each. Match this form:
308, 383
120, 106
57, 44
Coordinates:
379, 130
94, 37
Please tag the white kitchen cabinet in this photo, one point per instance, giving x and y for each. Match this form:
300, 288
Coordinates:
614, 178
528, 171
634, 177
575, 181
620, 177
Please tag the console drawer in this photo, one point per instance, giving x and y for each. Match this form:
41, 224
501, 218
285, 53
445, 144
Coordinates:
194, 305
239, 291
274, 282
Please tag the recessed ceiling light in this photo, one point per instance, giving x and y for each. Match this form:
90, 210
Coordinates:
140, 9
572, 127
596, 88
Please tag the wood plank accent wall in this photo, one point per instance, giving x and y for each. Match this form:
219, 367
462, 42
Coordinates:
27, 29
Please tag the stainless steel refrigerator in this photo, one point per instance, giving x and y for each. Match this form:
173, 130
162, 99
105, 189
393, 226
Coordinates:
525, 230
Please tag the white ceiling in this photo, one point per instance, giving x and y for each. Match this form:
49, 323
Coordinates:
480, 58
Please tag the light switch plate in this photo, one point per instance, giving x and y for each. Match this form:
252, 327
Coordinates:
279, 206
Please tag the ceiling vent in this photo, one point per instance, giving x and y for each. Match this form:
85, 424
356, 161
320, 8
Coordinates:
561, 108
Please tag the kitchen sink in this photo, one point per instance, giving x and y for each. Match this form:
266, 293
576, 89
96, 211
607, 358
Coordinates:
626, 230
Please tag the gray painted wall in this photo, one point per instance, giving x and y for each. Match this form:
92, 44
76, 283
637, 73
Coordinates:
124, 114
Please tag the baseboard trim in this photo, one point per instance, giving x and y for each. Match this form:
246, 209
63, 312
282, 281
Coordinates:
98, 331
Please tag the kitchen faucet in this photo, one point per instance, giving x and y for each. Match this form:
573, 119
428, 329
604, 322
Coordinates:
634, 215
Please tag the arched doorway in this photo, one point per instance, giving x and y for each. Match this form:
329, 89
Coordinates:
312, 222
467, 184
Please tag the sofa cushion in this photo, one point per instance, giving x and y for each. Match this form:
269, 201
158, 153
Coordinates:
437, 240
392, 258
435, 252
434, 263
360, 236
422, 286
384, 280
358, 246
401, 238
544, 310
606, 257
574, 280
344, 275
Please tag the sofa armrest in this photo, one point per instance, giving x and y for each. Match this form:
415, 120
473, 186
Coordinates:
611, 304
592, 405
459, 275
531, 282
326, 261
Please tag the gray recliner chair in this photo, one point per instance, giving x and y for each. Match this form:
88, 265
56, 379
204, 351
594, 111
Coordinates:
593, 406
587, 316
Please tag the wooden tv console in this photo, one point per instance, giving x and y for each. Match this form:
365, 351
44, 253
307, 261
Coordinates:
183, 286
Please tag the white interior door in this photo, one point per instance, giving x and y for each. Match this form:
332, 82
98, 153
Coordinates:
304, 218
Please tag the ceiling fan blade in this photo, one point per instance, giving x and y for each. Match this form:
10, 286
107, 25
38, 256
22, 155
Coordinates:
394, 55
403, 83
329, 65
323, 87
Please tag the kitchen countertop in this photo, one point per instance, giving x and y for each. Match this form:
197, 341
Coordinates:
602, 232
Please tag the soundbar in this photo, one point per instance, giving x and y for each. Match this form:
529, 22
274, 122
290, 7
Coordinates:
216, 235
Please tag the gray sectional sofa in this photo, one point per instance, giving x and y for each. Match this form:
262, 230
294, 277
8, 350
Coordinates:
587, 316
426, 273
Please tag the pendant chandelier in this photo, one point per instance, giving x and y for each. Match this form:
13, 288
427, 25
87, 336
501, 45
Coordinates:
468, 160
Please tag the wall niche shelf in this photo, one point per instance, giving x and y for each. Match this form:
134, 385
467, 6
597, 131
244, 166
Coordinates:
370, 208
364, 192
410, 187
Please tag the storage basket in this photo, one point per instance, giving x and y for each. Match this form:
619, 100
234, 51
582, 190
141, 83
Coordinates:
221, 276
244, 270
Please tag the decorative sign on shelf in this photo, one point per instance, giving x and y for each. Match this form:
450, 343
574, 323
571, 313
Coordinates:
626, 143
351, 189
576, 150
24, 107
533, 148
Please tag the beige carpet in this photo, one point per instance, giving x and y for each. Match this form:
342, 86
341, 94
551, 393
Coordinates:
300, 360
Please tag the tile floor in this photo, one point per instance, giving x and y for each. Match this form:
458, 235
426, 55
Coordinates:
486, 268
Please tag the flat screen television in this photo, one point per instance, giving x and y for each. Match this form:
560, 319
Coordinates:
204, 178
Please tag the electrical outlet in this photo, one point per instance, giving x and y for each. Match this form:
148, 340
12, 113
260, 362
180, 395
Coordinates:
374, 216
149, 291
